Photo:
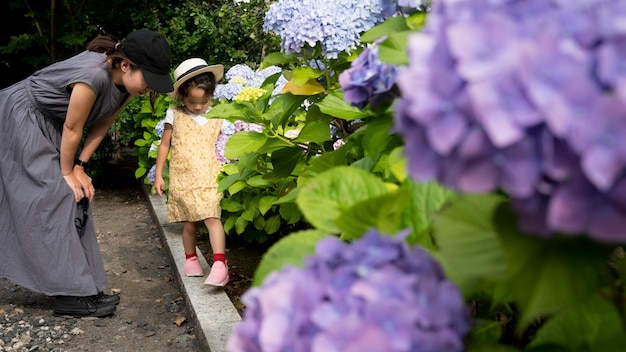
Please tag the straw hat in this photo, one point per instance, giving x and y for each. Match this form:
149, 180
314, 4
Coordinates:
191, 68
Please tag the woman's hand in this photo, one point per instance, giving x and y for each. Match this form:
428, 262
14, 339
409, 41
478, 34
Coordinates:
80, 183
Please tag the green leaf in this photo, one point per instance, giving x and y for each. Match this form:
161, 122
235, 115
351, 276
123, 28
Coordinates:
248, 214
328, 160
311, 87
593, 325
259, 223
466, 236
315, 131
322, 200
140, 172
278, 59
335, 105
284, 106
229, 223
397, 163
290, 212
229, 111
272, 144
265, 203
231, 206
259, 182
289, 250
304, 74
272, 224
393, 49
240, 225
285, 160
376, 136
243, 142
548, 275
391, 25
426, 200
383, 212
236, 187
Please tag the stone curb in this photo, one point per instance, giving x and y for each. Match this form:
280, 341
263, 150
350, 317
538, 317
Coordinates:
211, 307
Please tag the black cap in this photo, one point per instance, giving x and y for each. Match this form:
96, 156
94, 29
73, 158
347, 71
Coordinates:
151, 52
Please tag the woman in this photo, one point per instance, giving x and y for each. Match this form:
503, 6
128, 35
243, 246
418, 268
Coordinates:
42, 167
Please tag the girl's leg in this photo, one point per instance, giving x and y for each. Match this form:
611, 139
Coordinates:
192, 264
219, 270
217, 237
189, 236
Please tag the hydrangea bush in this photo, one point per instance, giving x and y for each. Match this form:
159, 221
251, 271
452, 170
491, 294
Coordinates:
374, 294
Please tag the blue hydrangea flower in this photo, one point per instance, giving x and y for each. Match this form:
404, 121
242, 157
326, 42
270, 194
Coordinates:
239, 70
159, 128
374, 294
227, 91
334, 26
152, 174
527, 97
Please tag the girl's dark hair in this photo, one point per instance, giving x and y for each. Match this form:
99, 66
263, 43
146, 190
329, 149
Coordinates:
204, 81
104, 44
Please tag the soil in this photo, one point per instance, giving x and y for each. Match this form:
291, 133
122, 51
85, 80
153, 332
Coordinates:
152, 314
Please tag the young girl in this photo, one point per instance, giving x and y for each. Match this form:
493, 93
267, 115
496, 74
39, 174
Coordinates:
194, 167
42, 175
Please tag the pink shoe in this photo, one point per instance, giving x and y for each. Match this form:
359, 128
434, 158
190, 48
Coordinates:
218, 275
192, 267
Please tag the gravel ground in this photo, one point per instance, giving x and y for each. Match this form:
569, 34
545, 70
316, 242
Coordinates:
152, 315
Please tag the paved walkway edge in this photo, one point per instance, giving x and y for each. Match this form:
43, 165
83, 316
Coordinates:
211, 307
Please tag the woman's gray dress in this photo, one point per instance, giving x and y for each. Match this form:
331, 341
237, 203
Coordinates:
40, 248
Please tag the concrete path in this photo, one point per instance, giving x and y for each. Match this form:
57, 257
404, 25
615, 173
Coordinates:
211, 307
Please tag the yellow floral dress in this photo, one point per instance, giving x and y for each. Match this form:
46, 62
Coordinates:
194, 168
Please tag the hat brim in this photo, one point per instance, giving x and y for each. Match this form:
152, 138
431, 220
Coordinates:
217, 70
158, 82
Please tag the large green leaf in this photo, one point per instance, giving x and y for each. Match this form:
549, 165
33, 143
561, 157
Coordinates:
393, 49
383, 212
377, 136
335, 105
548, 275
328, 160
282, 108
335, 190
314, 131
426, 200
391, 25
466, 236
278, 59
244, 142
229, 111
289, 250
285, 160
593, 325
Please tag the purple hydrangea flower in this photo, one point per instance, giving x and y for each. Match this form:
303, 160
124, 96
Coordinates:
368, 80
375, 293
527, 97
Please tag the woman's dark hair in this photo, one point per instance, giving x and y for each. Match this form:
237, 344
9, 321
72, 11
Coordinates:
204, 81
104, 44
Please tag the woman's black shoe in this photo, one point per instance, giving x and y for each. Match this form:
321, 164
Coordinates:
108, 299
82, 306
